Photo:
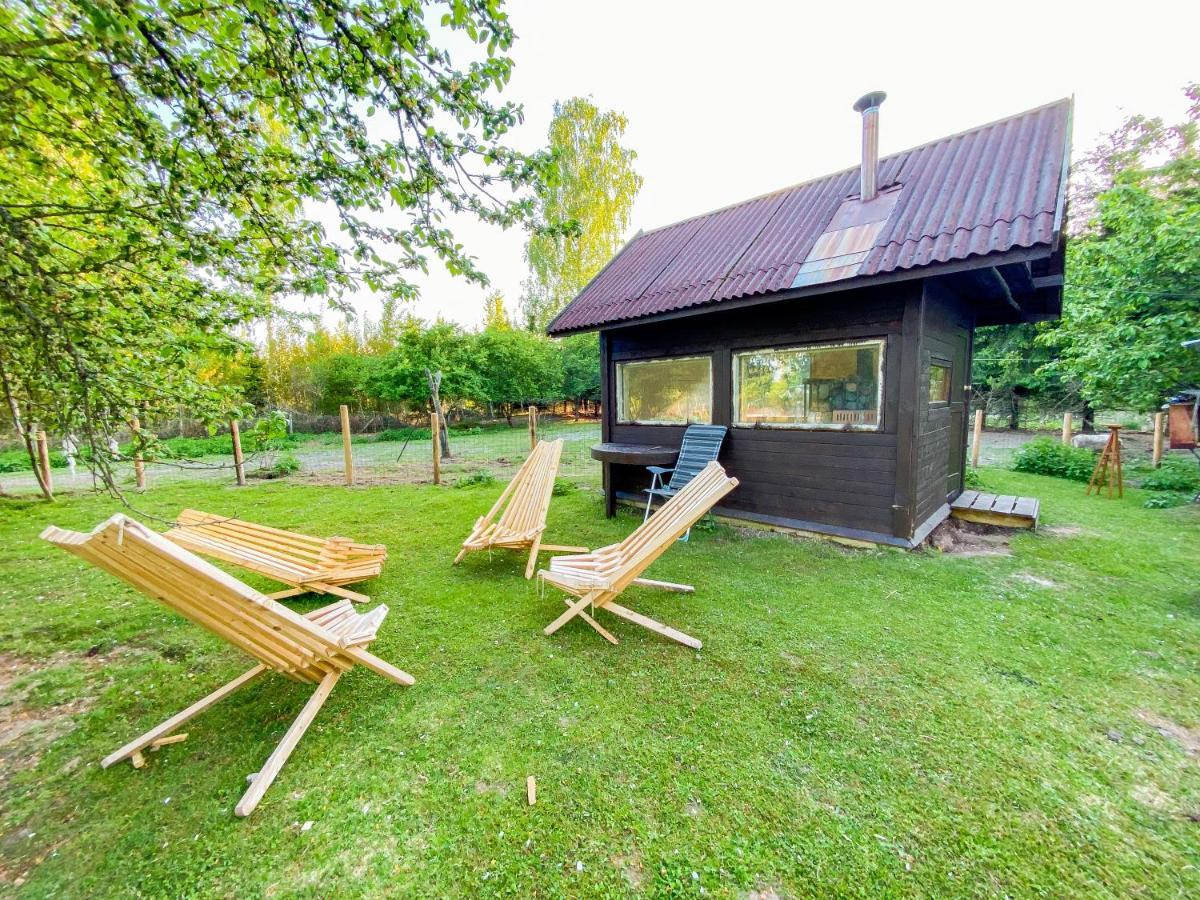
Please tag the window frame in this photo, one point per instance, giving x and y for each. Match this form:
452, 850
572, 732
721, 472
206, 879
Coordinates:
618, 379
937, 362
735, 386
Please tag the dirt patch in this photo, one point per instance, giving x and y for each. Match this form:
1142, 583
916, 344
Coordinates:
1030, 578
764, 892
1187, 738
487, 787
958, 538
1063, 530
26, 731
1153, 797
630, 867
693, 808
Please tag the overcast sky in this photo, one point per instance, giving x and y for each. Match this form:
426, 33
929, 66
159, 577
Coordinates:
730, 100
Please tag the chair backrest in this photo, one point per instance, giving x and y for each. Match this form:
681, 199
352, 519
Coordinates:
651, 539
701, 445
528, 494
199, 591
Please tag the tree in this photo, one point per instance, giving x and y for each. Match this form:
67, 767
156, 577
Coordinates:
1133, 274
158, 165
583, 210
495, 317
581, 367
516, 367
406, 373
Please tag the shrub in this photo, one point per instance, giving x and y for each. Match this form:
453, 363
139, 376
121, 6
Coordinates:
1167, 499
483, 476
285, 464
404, 434
561, 488
1176, 474
1047, 456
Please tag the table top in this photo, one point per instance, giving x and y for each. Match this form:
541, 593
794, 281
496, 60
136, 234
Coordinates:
635, 454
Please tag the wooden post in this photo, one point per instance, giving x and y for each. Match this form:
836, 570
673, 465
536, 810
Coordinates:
238, 466
436, 432
1066, 434
139, 467
1158, 438
347, 450
977, 438
43, 448
533, 414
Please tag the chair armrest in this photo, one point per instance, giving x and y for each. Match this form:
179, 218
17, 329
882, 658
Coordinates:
659, 470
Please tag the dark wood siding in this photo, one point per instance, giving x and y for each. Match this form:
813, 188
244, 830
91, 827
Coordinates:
841, 479
945, 340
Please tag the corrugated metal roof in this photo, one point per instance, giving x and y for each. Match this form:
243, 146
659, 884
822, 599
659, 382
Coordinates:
991, 189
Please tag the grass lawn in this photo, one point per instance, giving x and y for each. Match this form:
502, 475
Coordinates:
857, 723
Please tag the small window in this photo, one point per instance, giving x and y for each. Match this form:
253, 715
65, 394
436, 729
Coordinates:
665, 391
831, 386
939, 383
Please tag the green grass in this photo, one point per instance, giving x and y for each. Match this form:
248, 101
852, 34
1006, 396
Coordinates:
858, 723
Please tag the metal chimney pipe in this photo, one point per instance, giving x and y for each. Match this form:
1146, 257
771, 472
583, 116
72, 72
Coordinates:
868, 105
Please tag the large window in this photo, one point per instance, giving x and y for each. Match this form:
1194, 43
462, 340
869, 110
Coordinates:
665, 391
830, 386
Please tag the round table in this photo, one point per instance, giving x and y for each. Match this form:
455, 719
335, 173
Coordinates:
618, 454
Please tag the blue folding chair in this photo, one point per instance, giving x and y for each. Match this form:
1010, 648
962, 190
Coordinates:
701, 444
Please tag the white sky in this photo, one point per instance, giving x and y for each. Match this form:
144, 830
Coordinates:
730, 100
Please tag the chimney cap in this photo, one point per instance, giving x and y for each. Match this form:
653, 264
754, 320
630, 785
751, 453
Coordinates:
867, 101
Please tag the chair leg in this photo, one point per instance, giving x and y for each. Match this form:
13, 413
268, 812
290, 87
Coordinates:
600, 629
657, 627
179, 718
650, 497
338, 591
266, 775
533, 552
459, 558
290, 592
573, 610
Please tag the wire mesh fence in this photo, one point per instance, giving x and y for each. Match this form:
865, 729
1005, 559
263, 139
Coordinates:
372, 450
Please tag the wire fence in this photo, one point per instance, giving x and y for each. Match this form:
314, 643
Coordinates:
371, 450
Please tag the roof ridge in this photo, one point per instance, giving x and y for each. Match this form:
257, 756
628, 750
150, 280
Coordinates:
840, 172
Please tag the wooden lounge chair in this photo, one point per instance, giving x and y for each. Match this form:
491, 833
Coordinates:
597, 578
525, 502
307, 564
317, 648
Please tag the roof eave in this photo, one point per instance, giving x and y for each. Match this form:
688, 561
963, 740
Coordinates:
930, 270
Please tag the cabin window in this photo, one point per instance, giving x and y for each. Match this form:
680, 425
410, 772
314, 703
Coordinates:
665, 391
939, 383
831, 386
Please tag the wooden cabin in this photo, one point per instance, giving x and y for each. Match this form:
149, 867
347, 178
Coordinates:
830, 326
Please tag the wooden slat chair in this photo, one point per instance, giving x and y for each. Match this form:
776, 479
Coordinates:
315, 649
597, 578
701, 445
306, 564
522, 509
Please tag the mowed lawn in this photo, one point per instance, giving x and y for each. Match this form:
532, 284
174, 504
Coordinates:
858, 722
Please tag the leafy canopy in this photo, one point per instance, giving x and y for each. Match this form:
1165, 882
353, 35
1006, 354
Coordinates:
583, 210
162, 165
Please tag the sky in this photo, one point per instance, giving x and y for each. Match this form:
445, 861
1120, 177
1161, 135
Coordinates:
727, 101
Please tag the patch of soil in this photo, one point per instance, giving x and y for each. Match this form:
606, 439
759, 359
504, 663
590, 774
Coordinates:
1152, 796
485, 787
630, 867
958, 538
1187, 738
1062, 530
25, 731
1030, 578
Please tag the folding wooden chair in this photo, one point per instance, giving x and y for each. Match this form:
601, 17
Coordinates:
316, 649
307, 564
597, 578
525, 502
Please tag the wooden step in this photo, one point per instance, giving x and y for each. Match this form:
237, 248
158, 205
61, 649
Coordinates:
1004, 510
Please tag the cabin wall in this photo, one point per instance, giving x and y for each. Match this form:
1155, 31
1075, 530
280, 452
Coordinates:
843, 480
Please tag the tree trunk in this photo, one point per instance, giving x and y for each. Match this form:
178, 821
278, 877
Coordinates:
1089, 418
1014, 413
26, 436
435, 399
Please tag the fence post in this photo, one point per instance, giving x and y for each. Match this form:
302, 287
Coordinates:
435, 432
977, 438
139, 467
238, 467
347, 450
533, 414
43, 448
1158, 438
1066, 434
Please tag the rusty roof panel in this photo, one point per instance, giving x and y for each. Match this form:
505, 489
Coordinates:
987, 190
